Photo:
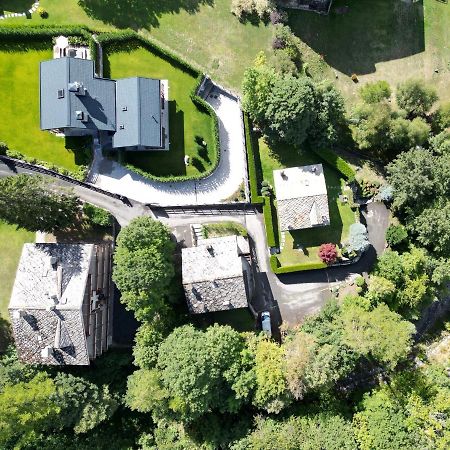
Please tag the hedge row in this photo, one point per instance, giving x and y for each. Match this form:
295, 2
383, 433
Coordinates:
278, 269
251, 162
26, 33
79, 175
270, 221
337, 162
129, 40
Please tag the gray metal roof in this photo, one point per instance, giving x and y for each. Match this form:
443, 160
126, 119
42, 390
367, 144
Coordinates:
138, 103
62, 80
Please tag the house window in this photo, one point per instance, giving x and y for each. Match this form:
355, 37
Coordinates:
60, 93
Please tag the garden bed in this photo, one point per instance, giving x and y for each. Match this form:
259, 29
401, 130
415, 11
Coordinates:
299, 248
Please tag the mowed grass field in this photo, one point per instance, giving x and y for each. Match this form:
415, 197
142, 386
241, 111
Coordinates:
186, 121
11, 242
19, 109
341, 215
381, 39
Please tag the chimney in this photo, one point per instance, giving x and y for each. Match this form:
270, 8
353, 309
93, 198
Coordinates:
210, 250
47, 351
18, 314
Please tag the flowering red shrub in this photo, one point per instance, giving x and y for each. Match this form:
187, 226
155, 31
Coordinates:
328, 253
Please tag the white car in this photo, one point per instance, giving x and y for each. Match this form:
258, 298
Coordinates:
266, 324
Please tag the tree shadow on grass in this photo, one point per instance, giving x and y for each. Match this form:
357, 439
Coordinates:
17, 6
368, 33
137, 14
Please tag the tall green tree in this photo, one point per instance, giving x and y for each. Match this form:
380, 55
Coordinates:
283, 105
198, 370
31, 202
143, 266
415, 97
379, 333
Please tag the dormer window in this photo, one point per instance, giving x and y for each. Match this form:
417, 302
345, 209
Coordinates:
124, 108
60, 93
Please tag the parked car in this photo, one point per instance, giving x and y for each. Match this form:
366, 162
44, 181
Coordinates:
266, 323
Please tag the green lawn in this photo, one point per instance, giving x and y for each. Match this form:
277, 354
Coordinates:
11, 242
341, 215
219, 229
381, 39
19, 109
186, 121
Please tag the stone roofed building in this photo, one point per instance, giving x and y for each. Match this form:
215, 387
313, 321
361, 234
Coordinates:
75, 102
60, 306
302, 200
217, 275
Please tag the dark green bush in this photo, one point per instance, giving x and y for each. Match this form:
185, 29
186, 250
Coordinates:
337, 162
396, 236
97, 216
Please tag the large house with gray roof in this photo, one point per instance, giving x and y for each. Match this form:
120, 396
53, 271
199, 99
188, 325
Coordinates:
75, 102
302, 199
217, 275
60, 305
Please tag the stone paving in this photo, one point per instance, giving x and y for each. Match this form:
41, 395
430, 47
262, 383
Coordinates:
220, 185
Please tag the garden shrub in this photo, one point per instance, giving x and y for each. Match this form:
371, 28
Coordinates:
96, 215
328, 253
278, 16
385, 193
375, 92
42, 12
396, 235
3, 148
358, 240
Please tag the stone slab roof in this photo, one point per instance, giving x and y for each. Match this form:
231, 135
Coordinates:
37, 280
216, 258
302, 200
46, 303
213, 276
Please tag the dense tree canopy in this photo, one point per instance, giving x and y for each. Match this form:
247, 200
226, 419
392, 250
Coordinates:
32, 203
143, 266
415, 97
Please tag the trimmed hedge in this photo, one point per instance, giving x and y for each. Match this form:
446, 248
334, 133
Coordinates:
278, 269
251, 163
337, 162
79, 175
129, 40
270, 221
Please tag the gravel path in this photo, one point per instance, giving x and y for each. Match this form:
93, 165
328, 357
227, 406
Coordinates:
220, 185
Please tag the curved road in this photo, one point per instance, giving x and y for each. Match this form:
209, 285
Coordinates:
291, 296
225, 181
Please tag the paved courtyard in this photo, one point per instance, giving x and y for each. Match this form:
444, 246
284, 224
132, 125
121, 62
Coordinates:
216, 188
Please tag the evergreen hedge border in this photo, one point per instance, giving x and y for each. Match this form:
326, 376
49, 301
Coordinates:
115, 41
269, 212
129, 40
